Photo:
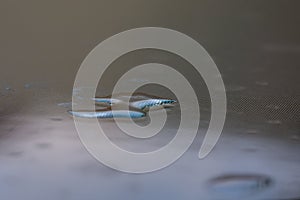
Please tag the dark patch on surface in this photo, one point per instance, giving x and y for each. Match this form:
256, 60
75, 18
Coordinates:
43, 145
15, 154
57, 119
10, 129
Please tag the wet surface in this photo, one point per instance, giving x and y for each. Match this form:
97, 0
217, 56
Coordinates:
254, 44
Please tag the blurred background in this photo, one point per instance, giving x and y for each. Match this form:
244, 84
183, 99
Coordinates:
256, 46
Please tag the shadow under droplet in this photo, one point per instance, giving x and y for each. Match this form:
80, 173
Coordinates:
56, 119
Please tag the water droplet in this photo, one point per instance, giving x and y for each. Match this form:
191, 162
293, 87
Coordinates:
27, 85
8, 88
43, 145
56, 119
238, 185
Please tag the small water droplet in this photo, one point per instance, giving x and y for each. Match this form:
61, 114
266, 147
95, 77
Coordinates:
27, 85
238, 185
8, 88
56, 119
43, 145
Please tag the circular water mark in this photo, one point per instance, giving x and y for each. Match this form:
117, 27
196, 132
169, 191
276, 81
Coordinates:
98, 60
